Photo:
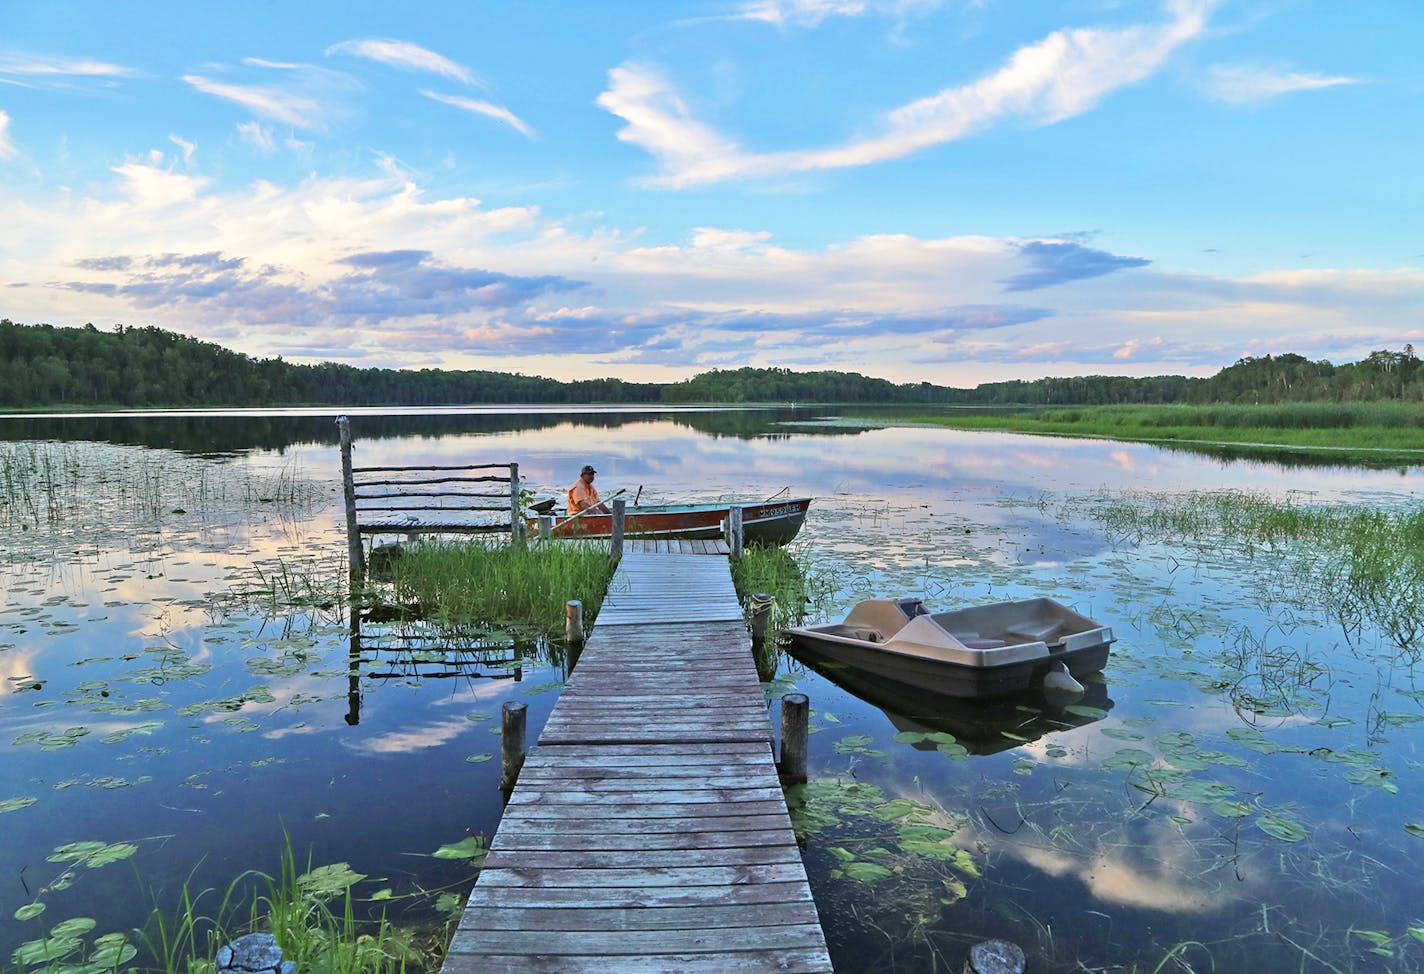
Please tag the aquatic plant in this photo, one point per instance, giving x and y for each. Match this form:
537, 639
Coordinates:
1362, 426
1365, 565
524, 588
311, 912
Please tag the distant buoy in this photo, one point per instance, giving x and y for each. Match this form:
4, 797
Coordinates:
1058, 682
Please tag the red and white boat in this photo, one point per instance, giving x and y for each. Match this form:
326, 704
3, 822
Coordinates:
766, 522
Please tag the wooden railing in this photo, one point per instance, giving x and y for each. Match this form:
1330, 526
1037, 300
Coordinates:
468, 499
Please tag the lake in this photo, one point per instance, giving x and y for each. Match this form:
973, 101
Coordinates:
1239, 790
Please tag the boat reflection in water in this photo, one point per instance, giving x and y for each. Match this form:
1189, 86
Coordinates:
980, 726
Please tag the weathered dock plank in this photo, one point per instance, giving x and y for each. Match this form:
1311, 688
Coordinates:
648, 831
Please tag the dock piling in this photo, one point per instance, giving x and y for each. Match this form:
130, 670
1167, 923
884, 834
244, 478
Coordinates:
733, 529
511, 739
795, 730
356, 556
573, 623
620, 507
761, 616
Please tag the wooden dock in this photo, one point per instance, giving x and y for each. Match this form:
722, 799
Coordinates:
648, 831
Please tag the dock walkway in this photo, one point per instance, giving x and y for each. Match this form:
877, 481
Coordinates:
648, 831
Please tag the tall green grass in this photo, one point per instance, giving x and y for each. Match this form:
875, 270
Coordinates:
1364, 565
777, 572
1366, 425
311, 913
519, 587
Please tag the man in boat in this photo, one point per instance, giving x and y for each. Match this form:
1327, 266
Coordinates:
583, 496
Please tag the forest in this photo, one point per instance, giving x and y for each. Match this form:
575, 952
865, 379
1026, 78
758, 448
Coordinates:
46, 366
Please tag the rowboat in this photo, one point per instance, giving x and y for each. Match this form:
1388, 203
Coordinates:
765, 523
981, 651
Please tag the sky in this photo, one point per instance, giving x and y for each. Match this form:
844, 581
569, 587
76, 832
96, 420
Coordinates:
951, 191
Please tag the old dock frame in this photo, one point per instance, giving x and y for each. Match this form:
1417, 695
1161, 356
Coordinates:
648, 830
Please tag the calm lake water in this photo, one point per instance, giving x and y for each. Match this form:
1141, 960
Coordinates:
1239, 792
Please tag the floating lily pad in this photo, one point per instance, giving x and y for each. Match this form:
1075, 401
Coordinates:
470, 847
1280, 827
325, 882
867, 872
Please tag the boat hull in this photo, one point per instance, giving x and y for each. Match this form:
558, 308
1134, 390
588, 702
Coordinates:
981, 651
767, 523
950, 679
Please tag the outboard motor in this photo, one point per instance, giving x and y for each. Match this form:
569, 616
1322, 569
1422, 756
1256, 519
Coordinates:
911, 607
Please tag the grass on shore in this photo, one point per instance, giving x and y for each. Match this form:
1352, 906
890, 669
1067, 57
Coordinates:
1341, 426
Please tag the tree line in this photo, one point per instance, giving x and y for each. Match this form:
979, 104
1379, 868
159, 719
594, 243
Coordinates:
45, 366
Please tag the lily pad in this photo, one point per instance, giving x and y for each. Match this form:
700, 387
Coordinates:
1280, 827
470, 847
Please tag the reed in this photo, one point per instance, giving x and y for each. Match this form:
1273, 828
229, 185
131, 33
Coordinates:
311, 913
1365, 565
526, 587
776, 572
1345, 426
50, 484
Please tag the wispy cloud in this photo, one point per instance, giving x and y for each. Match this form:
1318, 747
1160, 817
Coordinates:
303, 96
487, 109
810, 13
264, 101
1065, 74
7, 148
1242, 85
49, 66
404, 55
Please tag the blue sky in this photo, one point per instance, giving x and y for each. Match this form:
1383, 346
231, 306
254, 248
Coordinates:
954, 191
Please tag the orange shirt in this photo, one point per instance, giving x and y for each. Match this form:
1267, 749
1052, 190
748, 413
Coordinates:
582, 495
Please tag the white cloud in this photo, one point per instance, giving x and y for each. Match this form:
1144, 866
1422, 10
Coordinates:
378, 271
404, 55
810, 13
1241, 85
266, 101
48, 66
187, 147
487, 109
1063, 75
7, 148
257, 135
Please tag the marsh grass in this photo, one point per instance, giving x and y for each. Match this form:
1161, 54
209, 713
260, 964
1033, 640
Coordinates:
523, 588
311, 912
46, 484
777, 572
1345, 426
1363, 565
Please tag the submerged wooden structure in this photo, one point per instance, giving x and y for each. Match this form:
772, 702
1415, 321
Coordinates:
648, 831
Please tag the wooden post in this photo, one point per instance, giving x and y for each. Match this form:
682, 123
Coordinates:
761, 615
516, 520
511, 740
355, 557
546, 527
795, 729
620, 508
734, 532
573, 622
994, 957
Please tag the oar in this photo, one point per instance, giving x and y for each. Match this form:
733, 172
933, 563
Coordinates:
586, 510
